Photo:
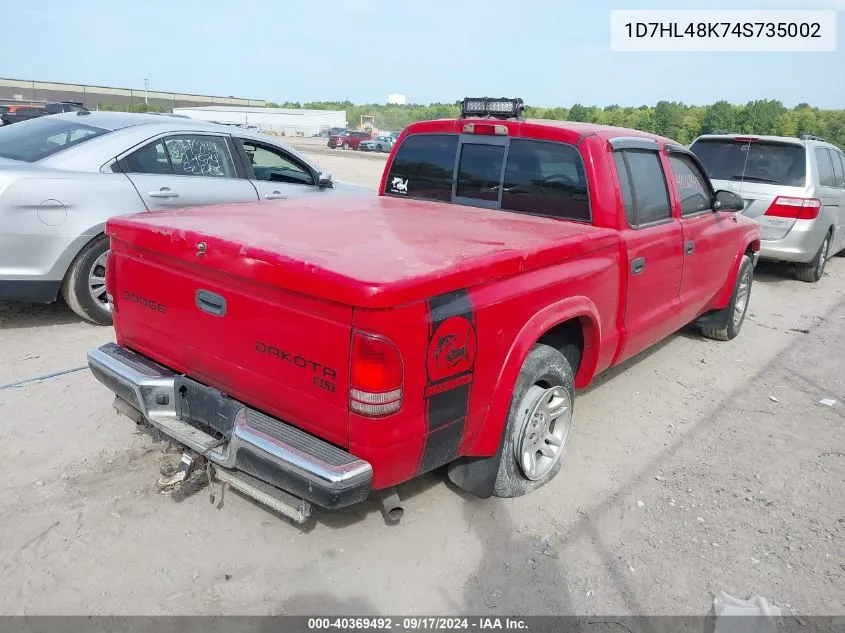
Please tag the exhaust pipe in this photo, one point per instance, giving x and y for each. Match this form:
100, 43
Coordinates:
391, 505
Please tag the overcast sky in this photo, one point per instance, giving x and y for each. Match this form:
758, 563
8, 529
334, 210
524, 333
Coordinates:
549, 52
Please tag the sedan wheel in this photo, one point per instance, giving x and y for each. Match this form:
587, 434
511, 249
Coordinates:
84, 286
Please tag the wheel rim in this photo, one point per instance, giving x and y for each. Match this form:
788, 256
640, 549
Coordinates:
546, 417
822, 258
742, 293
97, 282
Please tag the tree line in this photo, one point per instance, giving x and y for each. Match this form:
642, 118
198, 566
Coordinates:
668, 118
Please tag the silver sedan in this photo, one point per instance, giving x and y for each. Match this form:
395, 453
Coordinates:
63, 176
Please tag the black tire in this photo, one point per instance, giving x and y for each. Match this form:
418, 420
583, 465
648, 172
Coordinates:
547, 367
75, 285
811, 273
730, 332
378, 148
345, 146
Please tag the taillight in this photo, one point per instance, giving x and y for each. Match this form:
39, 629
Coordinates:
110, 274
797, 208
485, 128
375, 376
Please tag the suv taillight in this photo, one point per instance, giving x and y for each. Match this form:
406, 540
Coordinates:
375, 376
797, 208
110, 274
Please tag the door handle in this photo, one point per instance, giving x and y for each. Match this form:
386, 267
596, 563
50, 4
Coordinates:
275, 195
689, 247
164, 192
638, 265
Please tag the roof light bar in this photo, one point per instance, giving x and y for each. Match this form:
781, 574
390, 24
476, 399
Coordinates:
485, 106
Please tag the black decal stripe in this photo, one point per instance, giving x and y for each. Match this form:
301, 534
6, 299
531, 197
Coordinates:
446, 410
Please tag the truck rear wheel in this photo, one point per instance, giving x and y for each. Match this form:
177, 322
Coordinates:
738, 306
538, 424
84, 286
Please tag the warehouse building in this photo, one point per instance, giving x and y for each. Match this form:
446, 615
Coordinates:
290, 122
24, 90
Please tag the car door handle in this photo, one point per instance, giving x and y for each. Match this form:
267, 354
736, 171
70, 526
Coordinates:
275, 195
164, 192
689, 247
638, 265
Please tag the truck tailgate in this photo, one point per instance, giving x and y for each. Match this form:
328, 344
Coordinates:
281, 352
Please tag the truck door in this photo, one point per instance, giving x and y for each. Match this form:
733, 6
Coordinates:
709, 249
653, 241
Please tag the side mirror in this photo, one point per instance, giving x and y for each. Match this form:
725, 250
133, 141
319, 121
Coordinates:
728, 201
324, 180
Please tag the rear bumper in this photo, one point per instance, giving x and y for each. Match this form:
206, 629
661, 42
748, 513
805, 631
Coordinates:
800, 245
276, 453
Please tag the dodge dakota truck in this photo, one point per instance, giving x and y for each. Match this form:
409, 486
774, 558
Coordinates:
320, 352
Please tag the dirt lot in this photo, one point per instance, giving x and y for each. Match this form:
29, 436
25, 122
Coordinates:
697, 467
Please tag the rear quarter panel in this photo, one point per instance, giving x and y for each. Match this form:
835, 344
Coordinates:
46, 218
458, 407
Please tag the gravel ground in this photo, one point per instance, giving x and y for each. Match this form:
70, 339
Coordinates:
697, 467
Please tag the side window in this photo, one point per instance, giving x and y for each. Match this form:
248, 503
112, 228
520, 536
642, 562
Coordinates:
423, 167
650, 196
269, 163
479, 171
150, 159
546, 178
838, 168
692, 185
200, 155
823, 161
625, 186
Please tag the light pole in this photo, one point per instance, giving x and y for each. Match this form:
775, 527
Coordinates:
146, 87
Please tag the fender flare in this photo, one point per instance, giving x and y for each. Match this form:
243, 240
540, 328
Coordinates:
726, 292
490, 431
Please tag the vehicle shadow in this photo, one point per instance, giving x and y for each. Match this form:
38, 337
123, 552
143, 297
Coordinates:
773, 272
14, 316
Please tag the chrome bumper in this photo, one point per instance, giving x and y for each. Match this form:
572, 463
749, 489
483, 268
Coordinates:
260, 446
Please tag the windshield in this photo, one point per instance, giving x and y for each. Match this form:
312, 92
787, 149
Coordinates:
36, 139
757, 161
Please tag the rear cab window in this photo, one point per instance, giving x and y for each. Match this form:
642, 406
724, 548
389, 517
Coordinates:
44, 137
523, 175
762, 161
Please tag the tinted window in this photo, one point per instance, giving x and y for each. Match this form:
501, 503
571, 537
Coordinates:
825, 165
200, 155
625, 186
545, 178
760, 161
4, 109
479, 171
648, 187
39, 138
53, 108
692, 185
838, 167
150, 159
423, 167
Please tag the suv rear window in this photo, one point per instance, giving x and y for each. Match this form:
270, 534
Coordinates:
43, 137
540, 177
757, 161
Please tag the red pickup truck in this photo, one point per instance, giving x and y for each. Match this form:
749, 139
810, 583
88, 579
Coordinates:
349, 139
318, 351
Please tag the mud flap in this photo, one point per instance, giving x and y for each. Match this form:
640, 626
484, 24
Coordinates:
717, 320
476, 475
